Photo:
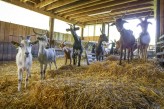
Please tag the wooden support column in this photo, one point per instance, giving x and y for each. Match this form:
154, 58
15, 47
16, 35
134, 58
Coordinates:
82, 33
51, 29
103, 28
108, 31
161, 12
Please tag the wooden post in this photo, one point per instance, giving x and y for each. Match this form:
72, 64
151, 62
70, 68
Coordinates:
103, 28
157, 17
82, 33
108, 31
51, 29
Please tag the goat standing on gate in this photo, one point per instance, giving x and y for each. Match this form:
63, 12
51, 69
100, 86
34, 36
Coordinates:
45, 56
67, 52
144, 39
77, 45
99, 47
24, 59
127, 39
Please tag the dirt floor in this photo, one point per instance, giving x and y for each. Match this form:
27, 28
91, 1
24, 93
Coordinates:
101, 85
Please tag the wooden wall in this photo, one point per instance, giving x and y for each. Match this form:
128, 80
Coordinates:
11, 32
91, 38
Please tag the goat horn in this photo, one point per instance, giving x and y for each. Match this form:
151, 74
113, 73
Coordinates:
149, 23
148, 15
69, 24
40, 33
124, 15
140, 19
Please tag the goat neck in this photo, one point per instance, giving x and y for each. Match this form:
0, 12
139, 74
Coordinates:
75, 36
41, 48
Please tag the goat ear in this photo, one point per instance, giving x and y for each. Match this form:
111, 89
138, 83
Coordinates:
139, 24
21, 37
16, 44
124, 21
28, 37
35, 42
113, 24
149, 23
140, 19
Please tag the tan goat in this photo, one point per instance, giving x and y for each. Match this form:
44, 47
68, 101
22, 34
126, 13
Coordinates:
67, 52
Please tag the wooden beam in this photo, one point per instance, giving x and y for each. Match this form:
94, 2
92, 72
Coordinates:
45, 3
75, 6
130, 16
18, 3
51, 28
59, 3
83, 7
137, 5
89, 18
82, 33
99, 6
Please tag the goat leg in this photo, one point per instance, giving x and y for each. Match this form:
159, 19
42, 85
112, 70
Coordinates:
65, 60
79, 59
55, 63
128, 54
125, 54
102, 56
41, 71
44, 71
27, 75
121, 56
20, 77
131, 57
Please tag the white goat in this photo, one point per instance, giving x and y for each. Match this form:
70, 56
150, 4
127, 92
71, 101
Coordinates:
23, 59
144, 39
45, 56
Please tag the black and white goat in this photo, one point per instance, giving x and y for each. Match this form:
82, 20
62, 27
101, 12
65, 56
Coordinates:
99, 48
77, 45
45, 56
23, 59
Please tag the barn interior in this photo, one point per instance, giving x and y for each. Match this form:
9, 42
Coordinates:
118, 87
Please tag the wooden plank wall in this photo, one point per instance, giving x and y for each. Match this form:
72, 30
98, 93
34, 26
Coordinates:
91, 38
11, 32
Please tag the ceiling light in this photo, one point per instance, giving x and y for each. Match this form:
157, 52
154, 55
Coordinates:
99, 13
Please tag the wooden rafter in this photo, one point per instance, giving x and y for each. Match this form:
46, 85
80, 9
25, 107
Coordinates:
84, 11
109, 20
45, 3
18, 3
117, 14
75, 6
59, 3
128, 7
114, 15
84, 7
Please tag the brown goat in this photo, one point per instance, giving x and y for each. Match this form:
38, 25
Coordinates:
67, 52
127, 39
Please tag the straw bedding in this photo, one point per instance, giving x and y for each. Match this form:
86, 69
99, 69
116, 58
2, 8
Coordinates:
101, 85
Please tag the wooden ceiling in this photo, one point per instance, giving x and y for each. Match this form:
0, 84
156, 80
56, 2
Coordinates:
84, 12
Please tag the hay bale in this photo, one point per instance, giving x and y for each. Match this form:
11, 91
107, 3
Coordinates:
99, 86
